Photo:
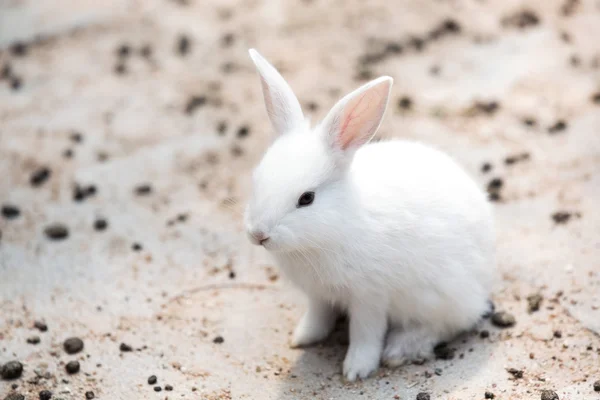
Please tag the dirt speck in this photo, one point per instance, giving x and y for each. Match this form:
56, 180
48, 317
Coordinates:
521, 19
40, 176
516, 373
549, 395
10, 211
34, 340
56, 231
41, 326
597, 386
489, 395
423, 396
125, 348
143, 189
193, 103
218, 340
558, 127
89, 395
534, 302
183, 45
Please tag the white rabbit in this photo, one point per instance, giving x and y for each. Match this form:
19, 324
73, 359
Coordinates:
395, 234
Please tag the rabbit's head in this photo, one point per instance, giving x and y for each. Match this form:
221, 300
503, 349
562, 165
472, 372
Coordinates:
300, 187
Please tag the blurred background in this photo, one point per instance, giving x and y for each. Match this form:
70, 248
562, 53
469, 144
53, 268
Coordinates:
128, 130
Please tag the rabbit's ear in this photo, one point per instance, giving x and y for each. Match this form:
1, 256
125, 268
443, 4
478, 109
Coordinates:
282, 105
354, 120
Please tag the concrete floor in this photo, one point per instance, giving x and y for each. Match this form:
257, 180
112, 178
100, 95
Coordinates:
196, 277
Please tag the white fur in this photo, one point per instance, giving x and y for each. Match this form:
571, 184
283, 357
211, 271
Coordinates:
398, 236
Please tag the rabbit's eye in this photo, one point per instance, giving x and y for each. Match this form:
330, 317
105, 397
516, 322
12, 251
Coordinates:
306, 199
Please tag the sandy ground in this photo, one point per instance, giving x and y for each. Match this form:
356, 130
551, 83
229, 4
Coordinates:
107, 97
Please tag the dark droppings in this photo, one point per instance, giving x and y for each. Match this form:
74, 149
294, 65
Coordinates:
157, 388
34, 340
495, 184
120, 69
218, 340
89, 395
152, 380
125, 348
100, 224
557, 127
521, 19
143, 189
510, 160
503, 319
183, 45
76, 137
45, 395
40, 325
489, 395
231, 275
10, 211
528, 121
56, 231
80, 193
562, 217
405, 103
557, 334
146, 51
517, 373
194, 103
243, 131
549, 395
423, 396
227, 39
534, 302
73, 345
136, 247
486, 167
168, 388
12, 370
68, 153
40, 176
72, 367
124, 50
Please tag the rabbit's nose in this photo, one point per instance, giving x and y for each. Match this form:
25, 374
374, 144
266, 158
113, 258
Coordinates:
260, 237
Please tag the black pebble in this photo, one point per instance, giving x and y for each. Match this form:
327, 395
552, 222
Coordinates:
56, 231
72, 367
405, 103
489, 395
16, 83
168, 388
443, 352
517, 373
549, 395
45, 395
157, 388
125, 347
423, 396
19, 49
558, 334
597, 386
222, 128
484, 334
243, 131
228, 39
503, 319
77, 137
73, 345
89, 395
495, 184
231, 275
558, 126
152, 380
40, 176
183, 45
144, 189
10, 211
486, 167
34, 340
14, 396
124, 50
100, 224
561, 217
40, 325
12, 370
136, 247
194, 103
218, 340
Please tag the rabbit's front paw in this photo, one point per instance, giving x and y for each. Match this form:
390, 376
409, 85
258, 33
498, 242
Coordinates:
361, 362
310, 330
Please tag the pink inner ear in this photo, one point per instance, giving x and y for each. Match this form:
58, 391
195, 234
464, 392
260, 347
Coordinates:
361, 116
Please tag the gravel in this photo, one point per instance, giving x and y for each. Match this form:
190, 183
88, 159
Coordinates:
534, 302
45, 395
503, 319
73, 345
152, 380
549, 395
12, 370
10, 211
72, 367
56, 231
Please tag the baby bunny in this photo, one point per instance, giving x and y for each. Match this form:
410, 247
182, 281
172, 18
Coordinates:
394, 234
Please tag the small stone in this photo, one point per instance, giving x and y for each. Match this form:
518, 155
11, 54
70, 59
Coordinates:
125, 348
12, 370
34, 340
489, 395
558, 126
136, 247
6, 71
152, 380
143, 189
549, 395
157, 388
561, 217
243, 131
73, 345
14, 396
405, 103
168, 388
56, 231
40, 176
231, 275
423, 396
72, 367
100, 224
597, 386
218, 340
534, 302
183, 45
120, 69
89, 395
503, 319
558, 334
45, 395
40, 325
438, 371
10, 211
517, 373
